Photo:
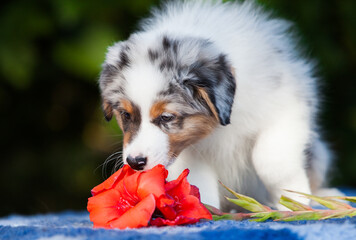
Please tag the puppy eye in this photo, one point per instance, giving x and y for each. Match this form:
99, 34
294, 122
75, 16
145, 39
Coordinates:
166, 117
125, 115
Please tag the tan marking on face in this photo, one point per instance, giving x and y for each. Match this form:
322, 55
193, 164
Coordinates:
157, 109
195, 127
127, 138
206, 98
127, 105
130, 126
127, 134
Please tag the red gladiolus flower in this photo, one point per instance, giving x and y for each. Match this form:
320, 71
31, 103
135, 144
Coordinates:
181, 204
130, 199
127, 198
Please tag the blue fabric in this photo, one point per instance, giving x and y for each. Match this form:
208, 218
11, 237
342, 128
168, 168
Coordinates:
76, 225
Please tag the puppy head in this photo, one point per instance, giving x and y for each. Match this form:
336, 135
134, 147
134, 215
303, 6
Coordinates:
166, 94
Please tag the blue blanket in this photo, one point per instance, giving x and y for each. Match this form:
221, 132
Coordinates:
76, 226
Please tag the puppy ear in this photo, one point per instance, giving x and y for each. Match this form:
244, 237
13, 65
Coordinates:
117, 59
107, 109
215, 82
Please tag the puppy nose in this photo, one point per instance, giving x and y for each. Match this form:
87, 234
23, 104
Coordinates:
137, 163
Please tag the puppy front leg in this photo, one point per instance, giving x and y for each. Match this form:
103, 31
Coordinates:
278, 157
200, 175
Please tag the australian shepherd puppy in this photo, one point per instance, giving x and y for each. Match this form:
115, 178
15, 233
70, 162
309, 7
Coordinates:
218, 88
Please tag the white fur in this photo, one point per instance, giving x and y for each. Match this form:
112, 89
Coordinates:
273, 118
150, 141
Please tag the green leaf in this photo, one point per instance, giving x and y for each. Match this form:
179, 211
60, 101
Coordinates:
246, 202
222, 217
308, 215
292, 204
246, 205
341, 214
350, 199
275, 215
331, 204
262, 217
261, 213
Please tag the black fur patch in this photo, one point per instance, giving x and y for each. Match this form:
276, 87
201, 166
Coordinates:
119, 90
166, 64
108, 74
166, 43
152, 55
308, 152
169, 91
170, 45
215, 77
175, 47
124, 60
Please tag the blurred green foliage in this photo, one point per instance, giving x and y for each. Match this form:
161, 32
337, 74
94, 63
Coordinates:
54, 138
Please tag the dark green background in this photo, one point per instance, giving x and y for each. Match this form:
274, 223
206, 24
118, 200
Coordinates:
53, 135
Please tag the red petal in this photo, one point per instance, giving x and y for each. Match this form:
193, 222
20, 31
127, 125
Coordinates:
180, 187
110, 182
166, 206
191, 207
138, 216
101, 217
102, 208
152, 181
189, 210
177, 221
105, 199
128, 188
131, 183
194, 191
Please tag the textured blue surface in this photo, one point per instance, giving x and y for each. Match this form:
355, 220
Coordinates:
76, 225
